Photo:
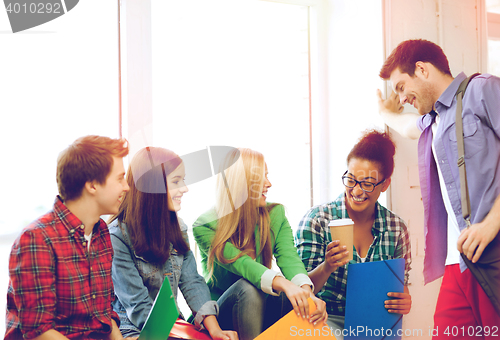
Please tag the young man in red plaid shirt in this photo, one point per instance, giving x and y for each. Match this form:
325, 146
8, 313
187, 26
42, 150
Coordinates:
60, 266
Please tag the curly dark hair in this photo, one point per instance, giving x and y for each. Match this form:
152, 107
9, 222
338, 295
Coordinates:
378, 147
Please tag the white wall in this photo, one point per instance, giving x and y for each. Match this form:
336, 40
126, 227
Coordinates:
458, 27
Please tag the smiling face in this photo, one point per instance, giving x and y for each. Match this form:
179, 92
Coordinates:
267, 184
416, 90
110, 194
357, 200
176, 187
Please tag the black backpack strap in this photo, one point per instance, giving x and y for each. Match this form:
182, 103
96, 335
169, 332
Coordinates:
464, 192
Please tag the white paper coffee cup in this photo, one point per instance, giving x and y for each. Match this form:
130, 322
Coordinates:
342, 230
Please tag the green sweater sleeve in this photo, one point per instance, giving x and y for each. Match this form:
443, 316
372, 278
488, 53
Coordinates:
245, 266
284, 249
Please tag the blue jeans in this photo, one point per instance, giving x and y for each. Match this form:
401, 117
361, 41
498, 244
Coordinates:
248, 310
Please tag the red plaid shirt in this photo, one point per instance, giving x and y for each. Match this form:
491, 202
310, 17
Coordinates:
56, 283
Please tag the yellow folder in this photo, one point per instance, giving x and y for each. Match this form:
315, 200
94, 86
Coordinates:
292, 327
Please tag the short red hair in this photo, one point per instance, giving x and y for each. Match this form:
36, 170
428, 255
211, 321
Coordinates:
89, 158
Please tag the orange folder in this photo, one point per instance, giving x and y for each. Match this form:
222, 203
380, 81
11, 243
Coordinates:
292, 327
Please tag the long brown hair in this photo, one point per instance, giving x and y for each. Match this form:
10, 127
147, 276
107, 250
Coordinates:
237, 205
152, 227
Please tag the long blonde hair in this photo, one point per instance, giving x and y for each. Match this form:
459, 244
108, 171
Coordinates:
238, 193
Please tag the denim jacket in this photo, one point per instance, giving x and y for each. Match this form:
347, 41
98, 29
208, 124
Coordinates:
137, 281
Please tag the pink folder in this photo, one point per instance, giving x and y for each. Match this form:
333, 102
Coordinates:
185, 330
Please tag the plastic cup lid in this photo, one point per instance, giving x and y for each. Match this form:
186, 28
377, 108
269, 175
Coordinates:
340, 222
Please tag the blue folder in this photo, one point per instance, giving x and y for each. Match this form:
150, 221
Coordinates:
367, 286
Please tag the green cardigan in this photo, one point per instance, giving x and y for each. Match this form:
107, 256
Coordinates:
225, 275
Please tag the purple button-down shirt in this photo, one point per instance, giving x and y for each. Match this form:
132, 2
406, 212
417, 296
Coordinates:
481, 122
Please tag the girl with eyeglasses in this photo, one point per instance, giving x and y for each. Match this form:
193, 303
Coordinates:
378, 233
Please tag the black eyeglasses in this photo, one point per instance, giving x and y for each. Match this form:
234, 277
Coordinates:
364, 185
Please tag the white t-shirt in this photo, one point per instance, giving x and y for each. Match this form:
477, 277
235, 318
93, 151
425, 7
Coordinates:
88, 237
453, 255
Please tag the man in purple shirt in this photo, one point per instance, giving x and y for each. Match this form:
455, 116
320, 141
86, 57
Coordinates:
420, 75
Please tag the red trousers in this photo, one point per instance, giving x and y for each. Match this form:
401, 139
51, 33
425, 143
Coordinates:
463, 310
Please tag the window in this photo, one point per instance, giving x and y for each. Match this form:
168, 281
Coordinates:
59, 82
62, 83
206, 72
234, 73
493, 27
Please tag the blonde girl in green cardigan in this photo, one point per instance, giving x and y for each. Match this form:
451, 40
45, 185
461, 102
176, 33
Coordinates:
238, 239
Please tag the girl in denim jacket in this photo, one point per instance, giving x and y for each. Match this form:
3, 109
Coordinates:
150, 244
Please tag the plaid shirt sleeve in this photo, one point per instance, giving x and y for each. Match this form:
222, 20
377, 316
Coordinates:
310, 241
403, 249
312, 238
32, 274
392, 241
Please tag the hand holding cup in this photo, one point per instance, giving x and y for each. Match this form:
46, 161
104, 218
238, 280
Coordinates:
339, 251
336, 256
